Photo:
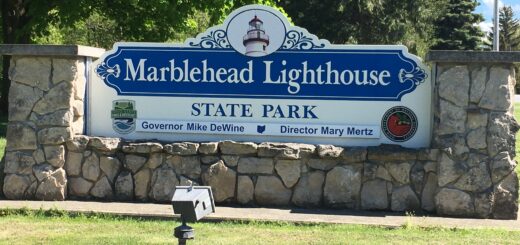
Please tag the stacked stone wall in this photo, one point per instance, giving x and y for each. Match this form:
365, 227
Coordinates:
45, 111
475, 128
272, 174
468, 171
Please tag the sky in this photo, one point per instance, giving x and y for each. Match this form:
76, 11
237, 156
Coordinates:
486, 8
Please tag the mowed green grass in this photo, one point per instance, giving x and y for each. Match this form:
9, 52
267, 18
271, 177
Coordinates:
55, 227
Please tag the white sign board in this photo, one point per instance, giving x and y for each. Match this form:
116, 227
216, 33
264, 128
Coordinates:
258, 78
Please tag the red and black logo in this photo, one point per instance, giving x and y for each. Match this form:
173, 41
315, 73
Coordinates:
399, 124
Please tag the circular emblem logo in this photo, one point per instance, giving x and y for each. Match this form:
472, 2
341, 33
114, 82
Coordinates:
399, 124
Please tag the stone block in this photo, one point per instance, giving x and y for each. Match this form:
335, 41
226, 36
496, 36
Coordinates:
476, 139
309, 190
383, 173
155, 160
230, 160
322, 164
42, 171
245, 190
505, 204
501, 166
55, 155
417, 177
78, 108
404, 199
478, 83
476, 179
110, 166
90, 168
163, 185
374, 195
17, 162
182, 149
329, 151
21, 101
454, 85
387, 153
79, 187
15, 186
134, 162
430, 167
208, 148
222, 181
454, 202
501, 133
289, 171
54, 136
78, 143
477, 120
80, 83
428, 193
452, 119
40, 71
342, 186
354, 154
238, 148
449, 170
269, 190
498, 94
142, 184
254, 165
39, 156
279, 151
484, 204
208, 160
60, 118
20, 137
59, 97
52, 188
105, 144
73, 163
102, 189
64, 70
142, 148
187, 165
124, 186
400, 171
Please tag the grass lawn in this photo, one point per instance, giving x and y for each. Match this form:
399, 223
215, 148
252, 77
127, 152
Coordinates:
55, 227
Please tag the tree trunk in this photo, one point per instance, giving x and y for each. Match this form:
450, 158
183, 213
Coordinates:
14, 21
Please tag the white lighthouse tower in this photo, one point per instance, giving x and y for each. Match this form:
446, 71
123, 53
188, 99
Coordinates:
256, 41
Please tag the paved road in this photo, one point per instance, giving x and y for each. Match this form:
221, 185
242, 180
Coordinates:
164, 211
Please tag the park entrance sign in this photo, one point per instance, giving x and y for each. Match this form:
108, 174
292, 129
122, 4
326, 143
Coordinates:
258, 78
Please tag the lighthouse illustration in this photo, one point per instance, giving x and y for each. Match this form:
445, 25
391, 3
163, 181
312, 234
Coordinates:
256, 41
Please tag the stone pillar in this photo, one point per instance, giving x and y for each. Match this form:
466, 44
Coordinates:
45, 110
475, 128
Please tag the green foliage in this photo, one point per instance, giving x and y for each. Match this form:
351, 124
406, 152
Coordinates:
457, 27
509, 36
509, 31
407, 22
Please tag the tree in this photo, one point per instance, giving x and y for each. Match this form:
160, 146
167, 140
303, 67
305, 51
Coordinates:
509, 36
457, 28
407, 22
509, 30
135, 20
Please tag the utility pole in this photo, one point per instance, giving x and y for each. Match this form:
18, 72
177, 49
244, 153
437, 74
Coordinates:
496, 31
